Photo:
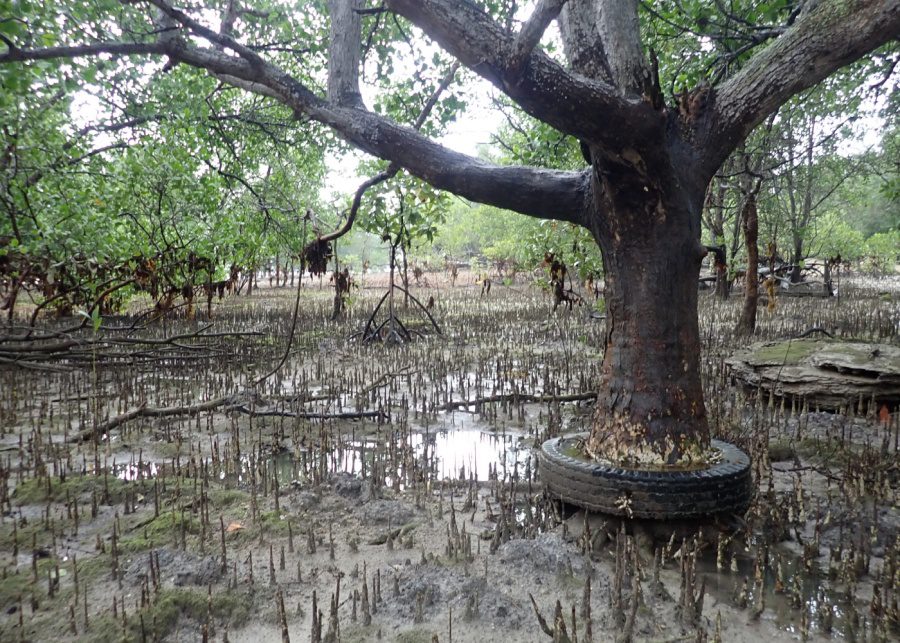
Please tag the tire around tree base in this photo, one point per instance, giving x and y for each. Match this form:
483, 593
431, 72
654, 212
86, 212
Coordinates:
723, 488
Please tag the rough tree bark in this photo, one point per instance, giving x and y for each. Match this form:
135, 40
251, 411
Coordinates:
650, 162
650, 404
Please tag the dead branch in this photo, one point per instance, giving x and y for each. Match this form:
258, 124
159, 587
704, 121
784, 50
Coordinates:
516, 397
26, 350
242, 403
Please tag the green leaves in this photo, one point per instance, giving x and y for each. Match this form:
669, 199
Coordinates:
93, 317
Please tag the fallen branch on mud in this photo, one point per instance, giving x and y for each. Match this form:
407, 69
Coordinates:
312, 415
516, 397
385, 379
241, 403
30, 351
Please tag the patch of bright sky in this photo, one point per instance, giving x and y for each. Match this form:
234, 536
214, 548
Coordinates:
466, 134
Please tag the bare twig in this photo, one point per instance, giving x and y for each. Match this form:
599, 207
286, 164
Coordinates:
517, 397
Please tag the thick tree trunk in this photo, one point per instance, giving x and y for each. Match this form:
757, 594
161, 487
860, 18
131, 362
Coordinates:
650, 407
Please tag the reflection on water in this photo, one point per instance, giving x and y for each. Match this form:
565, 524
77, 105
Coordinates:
451, 454
785, 593
136, 470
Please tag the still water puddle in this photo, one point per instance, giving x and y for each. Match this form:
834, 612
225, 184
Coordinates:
447, 454
786, 595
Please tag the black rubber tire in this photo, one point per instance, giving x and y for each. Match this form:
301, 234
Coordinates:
725, 487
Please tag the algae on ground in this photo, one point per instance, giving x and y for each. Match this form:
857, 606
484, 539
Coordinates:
40, 490
226, 608
789, 353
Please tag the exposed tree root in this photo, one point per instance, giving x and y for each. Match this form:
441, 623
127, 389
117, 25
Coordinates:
814, 329
392, 330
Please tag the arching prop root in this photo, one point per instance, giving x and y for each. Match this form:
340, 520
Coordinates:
392, 330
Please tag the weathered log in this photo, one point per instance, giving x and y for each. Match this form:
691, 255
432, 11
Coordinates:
827, 373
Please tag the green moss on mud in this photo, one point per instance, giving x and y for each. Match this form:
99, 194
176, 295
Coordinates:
42, 490
229, 608
273, 523
15, 586
166, 528
221, 498
415, 636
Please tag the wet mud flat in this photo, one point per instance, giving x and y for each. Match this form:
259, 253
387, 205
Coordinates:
393, 493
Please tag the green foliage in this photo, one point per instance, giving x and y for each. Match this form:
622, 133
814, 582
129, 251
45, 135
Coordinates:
161, 192
504, 238
883, 252
840, 239
403, 211
568, 243
473, 230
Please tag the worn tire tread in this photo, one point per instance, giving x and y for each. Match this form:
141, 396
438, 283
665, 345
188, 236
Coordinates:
725, 487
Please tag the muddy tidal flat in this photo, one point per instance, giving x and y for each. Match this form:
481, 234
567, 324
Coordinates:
151, 491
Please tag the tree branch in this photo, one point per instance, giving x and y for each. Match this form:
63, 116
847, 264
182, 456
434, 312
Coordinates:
78, 51
619, 30
591, 110
535, 192
533, 30
343, 53
219, 39
37, 175
581, 41
822, 40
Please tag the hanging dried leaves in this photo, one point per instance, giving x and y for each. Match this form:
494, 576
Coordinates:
315, 257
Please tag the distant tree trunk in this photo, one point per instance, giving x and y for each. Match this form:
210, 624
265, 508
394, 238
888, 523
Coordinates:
826, 278
10, 303
720, 262
337, 308
735, 237
715, 220
750, 225
405, 279
797, 262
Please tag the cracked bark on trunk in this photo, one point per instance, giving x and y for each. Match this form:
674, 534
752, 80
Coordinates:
650, 406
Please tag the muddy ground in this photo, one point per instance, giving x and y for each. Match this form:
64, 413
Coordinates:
277, 513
